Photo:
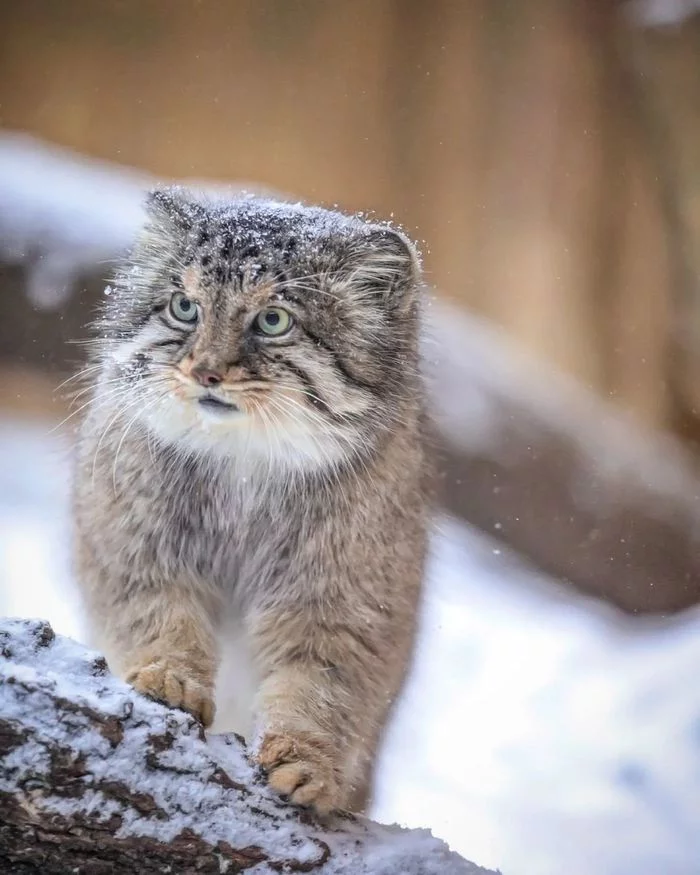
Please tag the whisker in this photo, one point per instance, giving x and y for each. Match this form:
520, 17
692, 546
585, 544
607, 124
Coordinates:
341, 447
74, 395
120, 411
123, 437
81, 373
289, 408
98, 399
266, 426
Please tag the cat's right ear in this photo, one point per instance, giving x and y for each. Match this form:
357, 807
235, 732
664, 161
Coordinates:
383, 264
172, 208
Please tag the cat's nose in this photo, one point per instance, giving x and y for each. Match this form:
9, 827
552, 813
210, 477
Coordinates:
206, 376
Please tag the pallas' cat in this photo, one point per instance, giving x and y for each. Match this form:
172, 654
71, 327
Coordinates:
254, 450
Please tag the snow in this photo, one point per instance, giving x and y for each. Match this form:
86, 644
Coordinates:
239, 816
538, 733
575, 732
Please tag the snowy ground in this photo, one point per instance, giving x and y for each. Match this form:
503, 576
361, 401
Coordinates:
538, 734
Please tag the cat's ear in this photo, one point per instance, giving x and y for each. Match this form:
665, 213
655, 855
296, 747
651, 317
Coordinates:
385, 263
172, 208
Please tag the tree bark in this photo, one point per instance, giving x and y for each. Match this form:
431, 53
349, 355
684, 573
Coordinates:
97, 779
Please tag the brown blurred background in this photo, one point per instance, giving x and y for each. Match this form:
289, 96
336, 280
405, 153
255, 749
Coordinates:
547, 153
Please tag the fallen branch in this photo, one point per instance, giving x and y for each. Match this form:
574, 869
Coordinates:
98, 779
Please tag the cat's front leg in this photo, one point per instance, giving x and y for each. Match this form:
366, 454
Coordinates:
298, 746
326, 686
163, 643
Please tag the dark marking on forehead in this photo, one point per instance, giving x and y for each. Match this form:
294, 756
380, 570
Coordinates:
227, 247
224, 266
278, 281
199, 239
252, 250
202, 237
253, 271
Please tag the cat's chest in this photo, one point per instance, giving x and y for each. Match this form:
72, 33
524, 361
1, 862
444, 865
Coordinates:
227, 529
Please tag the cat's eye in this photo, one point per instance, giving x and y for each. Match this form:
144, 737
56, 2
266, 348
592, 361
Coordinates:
182, 308
273, 321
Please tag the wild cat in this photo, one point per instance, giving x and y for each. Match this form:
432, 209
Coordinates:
255, 447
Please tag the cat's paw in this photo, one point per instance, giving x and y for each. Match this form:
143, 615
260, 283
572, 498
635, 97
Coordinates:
171, 682
300, 768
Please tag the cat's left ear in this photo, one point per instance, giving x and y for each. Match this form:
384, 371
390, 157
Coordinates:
385, 263
173, 208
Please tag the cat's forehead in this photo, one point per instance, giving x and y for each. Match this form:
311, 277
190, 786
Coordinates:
253, 228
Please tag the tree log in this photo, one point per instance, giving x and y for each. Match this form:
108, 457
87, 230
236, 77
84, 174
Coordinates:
97, 779
570, 482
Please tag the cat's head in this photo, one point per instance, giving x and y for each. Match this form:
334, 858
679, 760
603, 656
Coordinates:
254, 327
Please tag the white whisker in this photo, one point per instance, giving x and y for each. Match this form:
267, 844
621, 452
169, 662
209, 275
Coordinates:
123, 437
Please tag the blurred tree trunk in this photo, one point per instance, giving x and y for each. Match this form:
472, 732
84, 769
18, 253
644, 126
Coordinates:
526, 166
663, 66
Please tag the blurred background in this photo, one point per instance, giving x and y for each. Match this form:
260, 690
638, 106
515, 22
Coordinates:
546, 155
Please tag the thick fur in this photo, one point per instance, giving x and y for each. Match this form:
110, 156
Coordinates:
302, 514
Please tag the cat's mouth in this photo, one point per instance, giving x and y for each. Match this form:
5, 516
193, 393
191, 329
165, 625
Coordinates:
217, 405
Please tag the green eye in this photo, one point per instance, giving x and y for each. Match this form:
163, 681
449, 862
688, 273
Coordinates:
182, 308
273, 321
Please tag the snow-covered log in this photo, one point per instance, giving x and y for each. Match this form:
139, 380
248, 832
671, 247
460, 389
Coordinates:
95, 778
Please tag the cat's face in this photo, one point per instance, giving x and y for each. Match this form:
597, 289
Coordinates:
264, 330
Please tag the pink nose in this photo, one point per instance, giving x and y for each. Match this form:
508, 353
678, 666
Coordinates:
206, 376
